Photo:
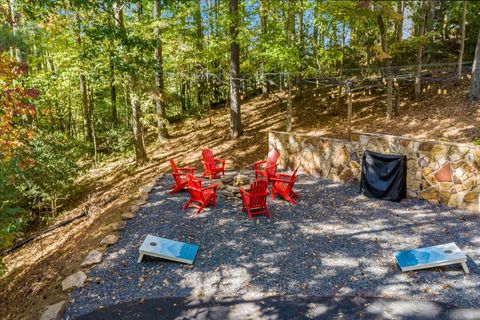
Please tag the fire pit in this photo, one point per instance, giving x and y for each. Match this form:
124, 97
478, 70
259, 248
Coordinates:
230, 184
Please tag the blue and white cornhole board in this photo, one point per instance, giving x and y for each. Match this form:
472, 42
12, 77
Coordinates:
168, 249
431, 257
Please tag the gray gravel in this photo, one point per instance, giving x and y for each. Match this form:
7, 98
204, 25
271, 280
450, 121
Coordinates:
332, 242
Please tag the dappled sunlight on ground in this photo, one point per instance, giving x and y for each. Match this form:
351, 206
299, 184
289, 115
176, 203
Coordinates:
332, 242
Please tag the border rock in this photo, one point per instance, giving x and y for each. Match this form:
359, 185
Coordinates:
74, 280
54, 311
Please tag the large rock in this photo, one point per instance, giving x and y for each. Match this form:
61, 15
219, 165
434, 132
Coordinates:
146, 188
118, 226
128, 215
430, 194
93, 257
75, 280
444, 174
241, 179
109, 240
456, 199
54, 311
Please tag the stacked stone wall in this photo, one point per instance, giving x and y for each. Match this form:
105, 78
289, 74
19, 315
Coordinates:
437, 171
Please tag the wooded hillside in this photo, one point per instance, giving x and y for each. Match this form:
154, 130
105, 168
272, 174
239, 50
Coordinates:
83, 80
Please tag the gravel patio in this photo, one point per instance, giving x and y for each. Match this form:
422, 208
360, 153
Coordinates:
332, 242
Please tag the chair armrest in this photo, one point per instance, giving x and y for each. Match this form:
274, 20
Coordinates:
280, 180
257, 164
213, 186
244, 192
189, 169
219, 160
284, 175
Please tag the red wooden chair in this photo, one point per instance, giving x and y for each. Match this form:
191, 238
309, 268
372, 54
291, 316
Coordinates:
282, 185
210, 164
255, 201
179, 176
200, 197
267, 168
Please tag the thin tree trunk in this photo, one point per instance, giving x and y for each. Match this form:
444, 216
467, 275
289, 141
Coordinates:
87, 121
421, 32
199, 47
113, 92
388, 64
235, 117
462, 41
139, 144
474, 93
263, 23
159, 82
399, 24
14, 21
289, 104
140, 153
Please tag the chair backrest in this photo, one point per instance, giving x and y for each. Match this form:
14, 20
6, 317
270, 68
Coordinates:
194, 188
293, 178
174, 166
272, 158
258, 193
207, 155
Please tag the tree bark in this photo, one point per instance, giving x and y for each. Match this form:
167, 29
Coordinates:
159, 81
199, 47
388, 64
421, 32
113, 92
399, 24
87, 120
263, 24
462, 41
289, 104
140, 153
235, 117
139, 144
474, 93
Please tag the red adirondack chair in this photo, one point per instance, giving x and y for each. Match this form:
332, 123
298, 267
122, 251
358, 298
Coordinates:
255, 201
210, 164
200, 197
179, 176
267, 168
282, 185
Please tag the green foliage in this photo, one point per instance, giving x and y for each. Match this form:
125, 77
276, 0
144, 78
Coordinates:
12, 217
51, 177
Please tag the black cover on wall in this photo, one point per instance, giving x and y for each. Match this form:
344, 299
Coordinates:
384, 176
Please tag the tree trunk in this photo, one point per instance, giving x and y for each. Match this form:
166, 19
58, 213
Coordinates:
263, 23
421, 32
199, 47
14, 21
87, 121
113, 92
474, 93
462, 41
140, 153
159, 96
399, 24
289, 104
139, 144
235, 117
388, 64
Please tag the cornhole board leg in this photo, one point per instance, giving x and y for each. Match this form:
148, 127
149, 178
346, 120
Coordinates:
430, 257
140, 257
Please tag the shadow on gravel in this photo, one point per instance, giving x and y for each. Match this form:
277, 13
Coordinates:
282, 307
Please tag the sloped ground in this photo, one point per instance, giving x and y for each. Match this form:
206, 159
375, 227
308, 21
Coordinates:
36, 270
332, 242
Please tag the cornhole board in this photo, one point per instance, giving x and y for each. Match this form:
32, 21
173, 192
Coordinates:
168, 249
430, 257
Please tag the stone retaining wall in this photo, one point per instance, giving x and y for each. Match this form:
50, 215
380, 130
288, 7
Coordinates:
437, 171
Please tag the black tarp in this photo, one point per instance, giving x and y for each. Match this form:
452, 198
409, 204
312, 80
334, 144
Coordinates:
384, 176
